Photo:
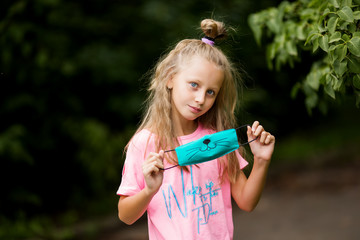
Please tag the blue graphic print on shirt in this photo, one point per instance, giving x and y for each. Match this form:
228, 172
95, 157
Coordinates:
202, 202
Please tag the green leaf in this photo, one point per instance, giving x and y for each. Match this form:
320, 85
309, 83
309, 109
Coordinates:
329, 90
335, 37
356, 15
326, 12
343, 25
311, 99
321, 27
291, 48
300, 31
311, 36
270, 54
341, 51
315, 45
356, 81
271, 51
332, 52
346, 3
330, 78
332, 55
354, 46
333, 47
314, 77
282, 58
295, 90
345, 37
331, 25
338, 83
254, 22
352, 28
340, 67
312, 80
335, 3
273, 25
354, 64
324, 42
346, 14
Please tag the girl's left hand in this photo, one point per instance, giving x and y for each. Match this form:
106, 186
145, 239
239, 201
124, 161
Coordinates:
263, 146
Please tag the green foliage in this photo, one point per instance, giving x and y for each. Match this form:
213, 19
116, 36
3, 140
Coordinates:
65, 109
328, 29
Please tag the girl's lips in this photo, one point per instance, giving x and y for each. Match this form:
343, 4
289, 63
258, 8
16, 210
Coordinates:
194, 109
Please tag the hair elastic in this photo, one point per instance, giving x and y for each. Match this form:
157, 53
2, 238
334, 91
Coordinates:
208, 40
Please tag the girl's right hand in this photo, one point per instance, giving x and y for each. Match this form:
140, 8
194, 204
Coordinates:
152, 171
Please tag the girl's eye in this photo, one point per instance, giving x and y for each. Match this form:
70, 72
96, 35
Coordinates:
211, 92
194, 85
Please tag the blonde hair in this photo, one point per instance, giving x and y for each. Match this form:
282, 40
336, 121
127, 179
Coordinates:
221, 116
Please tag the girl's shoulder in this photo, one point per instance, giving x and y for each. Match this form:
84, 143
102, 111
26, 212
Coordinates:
141, 138
141, 143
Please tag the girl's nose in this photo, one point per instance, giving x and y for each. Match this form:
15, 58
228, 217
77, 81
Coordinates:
200, 97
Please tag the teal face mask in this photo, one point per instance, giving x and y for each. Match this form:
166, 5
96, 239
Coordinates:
208, 147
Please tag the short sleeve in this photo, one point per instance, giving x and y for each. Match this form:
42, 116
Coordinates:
242, 162
132, 180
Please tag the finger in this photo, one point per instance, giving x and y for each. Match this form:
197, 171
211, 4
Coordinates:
160, 159
155, 168
151, 168
263, 136
147, 170
272, 139
151, 156
151, 160
161, 154
159, 163
156, 160
154, 156
268, 139
258, 130
255, 125
249, 132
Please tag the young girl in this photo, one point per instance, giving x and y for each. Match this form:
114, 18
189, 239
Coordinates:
193, 93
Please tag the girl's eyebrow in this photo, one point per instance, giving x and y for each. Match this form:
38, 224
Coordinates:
196, 80
215, 88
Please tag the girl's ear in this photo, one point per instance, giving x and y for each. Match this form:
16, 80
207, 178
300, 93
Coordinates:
170, 83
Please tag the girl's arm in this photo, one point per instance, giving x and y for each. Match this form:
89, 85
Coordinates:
131, 208
247, 192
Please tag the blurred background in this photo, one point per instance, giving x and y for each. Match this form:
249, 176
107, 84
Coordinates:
72, 83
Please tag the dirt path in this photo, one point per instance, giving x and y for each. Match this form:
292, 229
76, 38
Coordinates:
314, 205
311, 205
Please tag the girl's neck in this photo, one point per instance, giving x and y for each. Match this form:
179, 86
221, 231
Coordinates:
185, 128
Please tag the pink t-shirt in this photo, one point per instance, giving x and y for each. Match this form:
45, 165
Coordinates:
190, 204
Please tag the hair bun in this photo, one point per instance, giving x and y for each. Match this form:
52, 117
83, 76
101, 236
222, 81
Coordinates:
213, 29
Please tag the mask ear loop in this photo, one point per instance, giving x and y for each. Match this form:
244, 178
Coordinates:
242, 144
171, 166
177, 165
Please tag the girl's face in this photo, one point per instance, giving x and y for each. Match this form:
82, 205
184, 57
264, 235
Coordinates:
194, 89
